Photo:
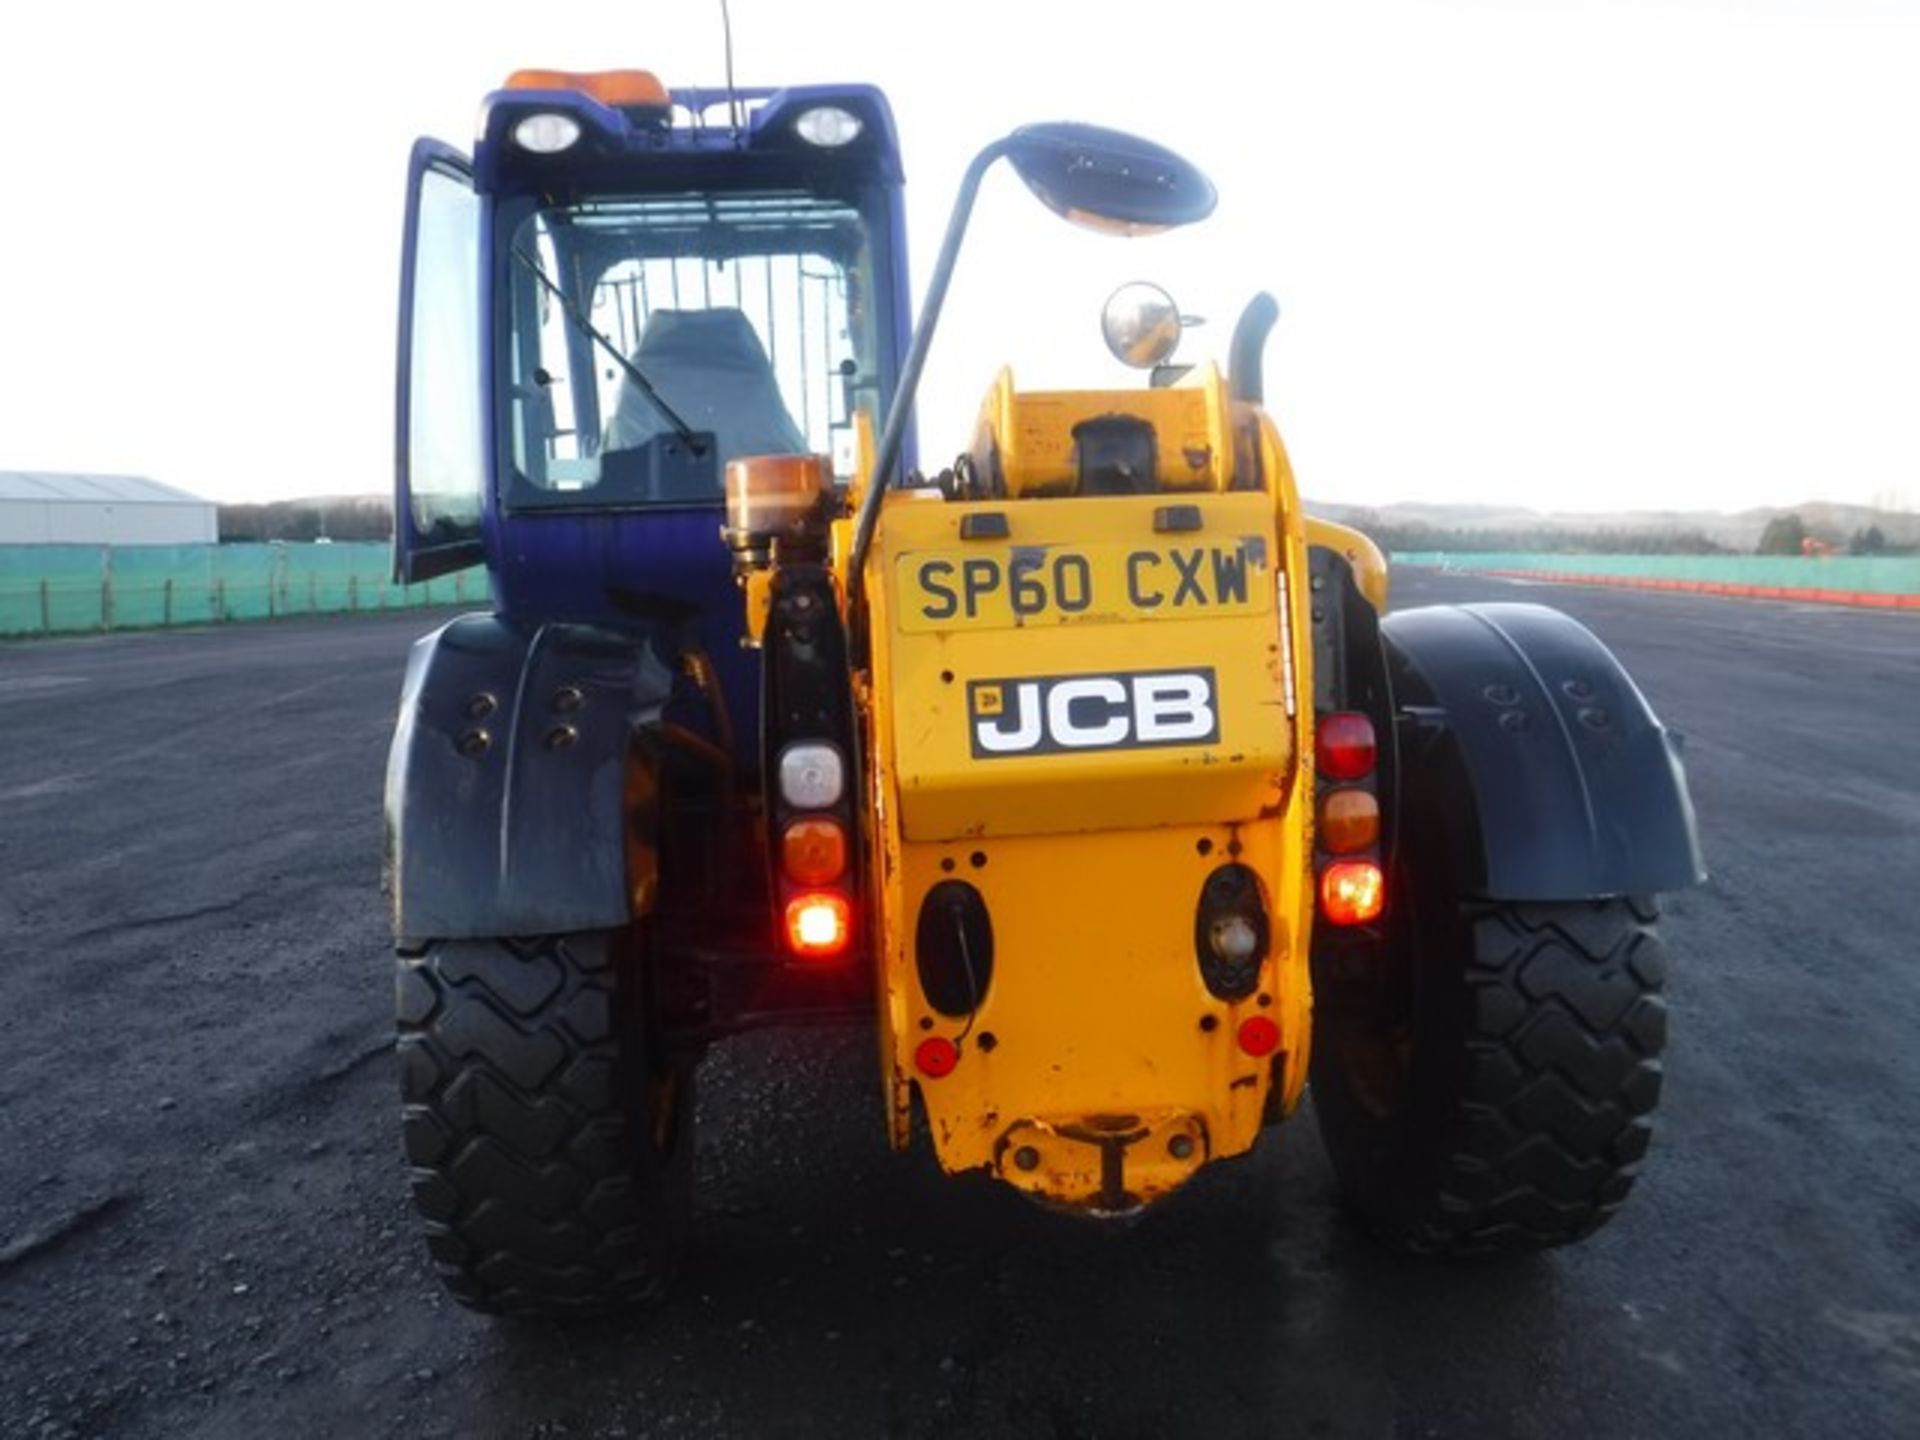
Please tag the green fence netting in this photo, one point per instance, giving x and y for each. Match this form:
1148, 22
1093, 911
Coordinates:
66, 589
1861, 574
63, 589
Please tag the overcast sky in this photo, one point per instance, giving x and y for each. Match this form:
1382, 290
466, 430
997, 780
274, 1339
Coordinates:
1592, 254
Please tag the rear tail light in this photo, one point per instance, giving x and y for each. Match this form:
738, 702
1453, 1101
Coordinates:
1353, 887
818, 925
1349, 821
1344, 745
1352, 892
814, 852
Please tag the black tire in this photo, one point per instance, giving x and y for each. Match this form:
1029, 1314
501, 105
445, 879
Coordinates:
1505, 1103
550, 1152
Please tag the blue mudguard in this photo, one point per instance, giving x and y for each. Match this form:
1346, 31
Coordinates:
1528, 754
505, 800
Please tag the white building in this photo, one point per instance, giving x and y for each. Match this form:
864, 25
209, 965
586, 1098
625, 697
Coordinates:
42, 509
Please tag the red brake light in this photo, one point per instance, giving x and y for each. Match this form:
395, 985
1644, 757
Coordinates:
1343, 741
1352, 892
818, 925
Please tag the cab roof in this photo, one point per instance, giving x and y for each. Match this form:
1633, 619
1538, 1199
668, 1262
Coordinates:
691, 141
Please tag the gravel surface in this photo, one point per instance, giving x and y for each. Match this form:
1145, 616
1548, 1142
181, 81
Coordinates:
203, 1222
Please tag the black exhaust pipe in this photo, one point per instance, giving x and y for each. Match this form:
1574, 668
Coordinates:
1244, 357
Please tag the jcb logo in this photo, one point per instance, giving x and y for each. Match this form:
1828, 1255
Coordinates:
1051, 715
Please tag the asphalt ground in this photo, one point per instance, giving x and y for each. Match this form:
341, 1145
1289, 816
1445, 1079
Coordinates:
204, 1229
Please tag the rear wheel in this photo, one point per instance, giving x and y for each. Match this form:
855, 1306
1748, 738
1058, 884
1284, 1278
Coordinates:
550, 1144
1497, 1094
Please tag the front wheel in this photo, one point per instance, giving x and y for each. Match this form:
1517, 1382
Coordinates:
550, 1145
1501, 1099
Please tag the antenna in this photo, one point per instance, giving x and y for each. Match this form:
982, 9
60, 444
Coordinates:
733, 99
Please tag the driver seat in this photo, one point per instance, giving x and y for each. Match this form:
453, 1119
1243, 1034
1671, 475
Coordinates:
710, 367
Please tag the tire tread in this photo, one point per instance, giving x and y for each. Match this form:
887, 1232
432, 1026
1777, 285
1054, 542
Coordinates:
1554, 1104
527, 1160
1525, 1120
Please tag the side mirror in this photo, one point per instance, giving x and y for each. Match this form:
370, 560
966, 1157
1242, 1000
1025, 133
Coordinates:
1104, 179
1141, 324
1108, 180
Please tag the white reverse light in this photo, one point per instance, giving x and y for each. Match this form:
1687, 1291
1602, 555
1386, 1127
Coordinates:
828, 126
1234, 939
546, 133
812, 777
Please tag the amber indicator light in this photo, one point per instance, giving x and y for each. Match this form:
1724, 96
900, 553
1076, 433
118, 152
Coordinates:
813, 852
1349, 821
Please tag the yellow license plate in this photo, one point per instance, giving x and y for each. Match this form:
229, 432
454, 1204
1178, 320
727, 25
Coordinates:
1013, 585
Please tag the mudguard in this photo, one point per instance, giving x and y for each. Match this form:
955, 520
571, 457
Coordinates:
505, 799
1526, 747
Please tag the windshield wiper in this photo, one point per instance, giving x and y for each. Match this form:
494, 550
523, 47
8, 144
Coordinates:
633, 371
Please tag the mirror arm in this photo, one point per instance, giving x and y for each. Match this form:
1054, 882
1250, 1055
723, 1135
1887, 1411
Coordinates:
895, 434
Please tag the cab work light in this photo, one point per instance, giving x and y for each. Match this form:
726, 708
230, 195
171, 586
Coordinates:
546, 133
828, 126
818, 925
1352, 892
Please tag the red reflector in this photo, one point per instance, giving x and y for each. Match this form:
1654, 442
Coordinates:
1259, 1037
818, 925
1343, 740
936, 1057
1352, 892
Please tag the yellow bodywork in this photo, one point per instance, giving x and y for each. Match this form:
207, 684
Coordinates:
1369, 565
1033, 433
1081, 706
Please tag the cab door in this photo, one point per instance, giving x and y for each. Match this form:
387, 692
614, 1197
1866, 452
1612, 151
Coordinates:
440, 454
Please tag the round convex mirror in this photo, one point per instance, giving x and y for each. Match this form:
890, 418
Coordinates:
1142, 325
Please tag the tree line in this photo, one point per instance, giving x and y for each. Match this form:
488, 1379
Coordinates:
1788, 535
307, 520
371, 518
1538, 540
